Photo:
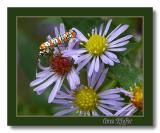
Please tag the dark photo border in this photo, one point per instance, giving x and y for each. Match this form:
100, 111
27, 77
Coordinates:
145, 120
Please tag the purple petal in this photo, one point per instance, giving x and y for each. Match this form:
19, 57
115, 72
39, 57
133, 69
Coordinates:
72, 42
102, 78
106, 60
66, 111
75, 77
119, 99
71, 81
107, 27
63, 95
100, 29
41, 79
121, 40
55, 89
132, 111
46, 83
122, 110
110, 107
66, 89
79, 35
117, 49
112, 102
110, 91
97, 64
113, 31
91, 67
73, 52
96, 75
42, 74
110, 96
56, 31
88, 78
112, 56
62, 28
83, 63
59, 101
104, 111
81, 58
119, 44
118, 32
127, 93
49, 37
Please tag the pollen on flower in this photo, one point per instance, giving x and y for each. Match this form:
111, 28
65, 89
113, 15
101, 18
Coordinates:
61, 65
86, 98
137, 98
96, 45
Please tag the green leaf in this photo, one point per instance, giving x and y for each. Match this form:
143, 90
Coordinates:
108, 84
126, 75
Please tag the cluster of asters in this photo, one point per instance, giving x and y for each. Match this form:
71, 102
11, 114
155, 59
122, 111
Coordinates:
95, 53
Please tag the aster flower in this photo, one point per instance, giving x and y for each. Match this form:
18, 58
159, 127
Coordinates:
89, 100
60, 68
136, 101
99, 47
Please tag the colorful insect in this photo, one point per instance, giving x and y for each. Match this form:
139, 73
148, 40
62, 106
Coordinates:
46, 47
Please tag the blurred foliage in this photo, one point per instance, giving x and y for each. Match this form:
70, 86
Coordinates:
32, 31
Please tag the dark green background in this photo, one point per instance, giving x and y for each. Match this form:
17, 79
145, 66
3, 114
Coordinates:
31, 31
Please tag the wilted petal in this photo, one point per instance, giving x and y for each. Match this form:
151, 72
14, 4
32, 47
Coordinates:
42, 67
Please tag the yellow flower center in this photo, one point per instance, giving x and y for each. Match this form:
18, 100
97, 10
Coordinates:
137, 98
86, 98
96, 45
